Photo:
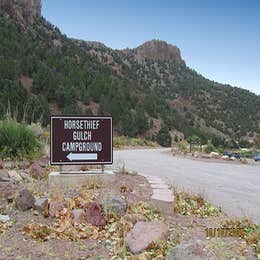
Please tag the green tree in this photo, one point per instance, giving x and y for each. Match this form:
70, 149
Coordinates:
164, 137
127, 125
141, 121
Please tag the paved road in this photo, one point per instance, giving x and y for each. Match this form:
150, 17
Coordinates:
234, 187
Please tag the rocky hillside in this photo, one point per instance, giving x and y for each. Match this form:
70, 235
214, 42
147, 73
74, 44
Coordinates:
144, 89
22, 10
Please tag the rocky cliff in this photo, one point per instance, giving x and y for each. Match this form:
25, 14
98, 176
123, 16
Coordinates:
22, 9
159, 51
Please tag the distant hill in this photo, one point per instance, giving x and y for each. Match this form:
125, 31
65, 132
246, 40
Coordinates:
42, 72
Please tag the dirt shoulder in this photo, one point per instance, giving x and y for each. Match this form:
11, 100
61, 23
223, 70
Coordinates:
16, 242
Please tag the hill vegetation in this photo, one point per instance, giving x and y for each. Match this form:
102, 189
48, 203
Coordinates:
146, 89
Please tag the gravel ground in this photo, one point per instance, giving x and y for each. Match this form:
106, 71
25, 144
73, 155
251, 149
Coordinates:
235, 187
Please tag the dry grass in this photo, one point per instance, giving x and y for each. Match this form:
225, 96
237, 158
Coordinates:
249, 231
187, 204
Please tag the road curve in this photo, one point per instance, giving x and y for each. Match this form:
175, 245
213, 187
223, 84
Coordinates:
233, 187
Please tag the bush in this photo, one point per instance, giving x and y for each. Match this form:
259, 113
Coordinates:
209, 148
164, 137
120, 141
17, 141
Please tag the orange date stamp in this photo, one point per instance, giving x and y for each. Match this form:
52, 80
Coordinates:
224, 232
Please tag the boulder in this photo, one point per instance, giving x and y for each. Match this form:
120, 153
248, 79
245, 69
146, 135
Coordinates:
214, 155
37, 171
145, 233
55, 207
4, 176
115, 205
41, 205
94, 215
78, 215
193, 250
4, 218
25, 200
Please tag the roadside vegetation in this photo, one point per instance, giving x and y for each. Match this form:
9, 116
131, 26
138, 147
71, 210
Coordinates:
124, 141
195, 205
187, 204
18, 141
248, 230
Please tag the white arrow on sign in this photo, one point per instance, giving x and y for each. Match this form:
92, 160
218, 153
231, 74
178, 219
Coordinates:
82, 156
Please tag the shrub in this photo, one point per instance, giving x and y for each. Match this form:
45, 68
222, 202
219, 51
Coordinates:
17, 141
183, 146
209, 148
164, 137
187, 204
120, 141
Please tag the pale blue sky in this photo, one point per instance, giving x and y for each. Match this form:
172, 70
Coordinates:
220, 39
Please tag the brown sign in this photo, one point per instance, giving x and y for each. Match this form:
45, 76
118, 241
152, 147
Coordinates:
81, 140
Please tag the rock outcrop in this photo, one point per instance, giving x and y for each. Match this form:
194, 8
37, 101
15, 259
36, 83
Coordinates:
157, 50
22, 9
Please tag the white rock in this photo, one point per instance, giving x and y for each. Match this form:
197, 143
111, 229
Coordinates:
214, 155
4, 218
15, 176
225, 157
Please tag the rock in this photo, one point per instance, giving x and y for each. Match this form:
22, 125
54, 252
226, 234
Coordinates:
25, 200
2, 206
115, 205
43, 162
194, 250
205, 156
41, 205
197, 154
36, 213
25, 9
26, 177
158, 50
9, 164
214, 155
15, 176
55, 207
23, 165
4, 176
10, 194
94, 215
244, 161
4, 218
233, 158
144, 233
37, 171
78, 215
135, 217
225, 157
1, 165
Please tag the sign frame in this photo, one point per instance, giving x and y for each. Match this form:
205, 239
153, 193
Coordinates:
74, 162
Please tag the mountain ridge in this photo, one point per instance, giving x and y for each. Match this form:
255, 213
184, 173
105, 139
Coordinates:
149, 86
